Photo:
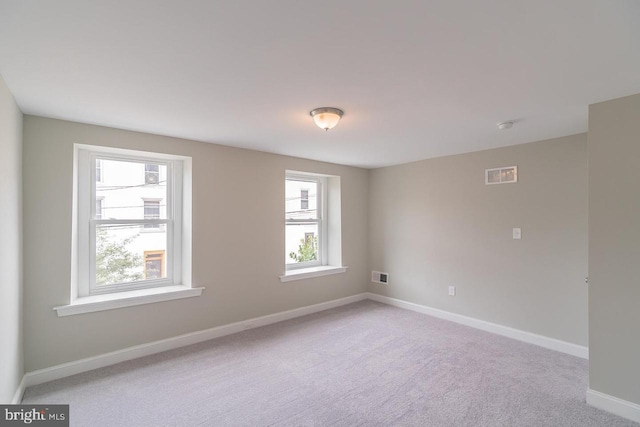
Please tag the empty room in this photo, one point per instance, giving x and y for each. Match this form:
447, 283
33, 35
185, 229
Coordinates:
337, 213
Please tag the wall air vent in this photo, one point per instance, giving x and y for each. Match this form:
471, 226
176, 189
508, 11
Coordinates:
379, 277
506, 175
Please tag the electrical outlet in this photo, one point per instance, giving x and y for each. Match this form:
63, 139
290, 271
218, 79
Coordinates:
452, 291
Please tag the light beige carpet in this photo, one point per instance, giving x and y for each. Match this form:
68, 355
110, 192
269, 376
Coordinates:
365, 364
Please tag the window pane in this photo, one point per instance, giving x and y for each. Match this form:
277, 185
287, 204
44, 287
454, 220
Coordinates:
301, 243
301, 199
124, 187
124, 254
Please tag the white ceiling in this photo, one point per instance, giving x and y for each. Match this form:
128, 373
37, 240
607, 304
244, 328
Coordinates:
416, 79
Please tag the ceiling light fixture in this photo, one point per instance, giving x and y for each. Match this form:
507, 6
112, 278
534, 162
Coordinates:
505, 125
326, 117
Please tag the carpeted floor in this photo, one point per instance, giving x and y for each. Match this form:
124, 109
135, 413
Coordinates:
364, 364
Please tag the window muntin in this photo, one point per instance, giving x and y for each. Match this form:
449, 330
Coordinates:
304, 221
113, 243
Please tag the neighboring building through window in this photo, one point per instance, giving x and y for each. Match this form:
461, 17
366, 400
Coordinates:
98, 170
151, 173
154, 264
152, 211
304, 199
309, 237
99, 207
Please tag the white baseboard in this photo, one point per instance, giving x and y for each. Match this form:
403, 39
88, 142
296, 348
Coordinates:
90, 363
517, 334
596, 399
622, 408
17, 397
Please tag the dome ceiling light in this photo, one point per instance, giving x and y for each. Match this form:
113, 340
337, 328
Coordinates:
326, 117
505, 125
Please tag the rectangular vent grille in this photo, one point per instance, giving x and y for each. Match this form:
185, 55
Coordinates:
379, 277
506, 175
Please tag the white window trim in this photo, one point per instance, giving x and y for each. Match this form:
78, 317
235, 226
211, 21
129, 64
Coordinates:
321, 210
127, 299
178, 284
308, 273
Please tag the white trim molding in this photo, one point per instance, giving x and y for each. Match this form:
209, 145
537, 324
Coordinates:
517, 334
88, 364
126, 299
622, 408
307, 273
17, 397
100, 361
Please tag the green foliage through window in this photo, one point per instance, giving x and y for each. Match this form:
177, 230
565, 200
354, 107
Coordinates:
114, 262
307, 250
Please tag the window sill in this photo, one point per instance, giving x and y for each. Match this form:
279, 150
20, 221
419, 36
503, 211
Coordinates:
126, 299
307, 273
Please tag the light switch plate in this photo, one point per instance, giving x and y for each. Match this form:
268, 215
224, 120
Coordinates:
517, 233
452, 291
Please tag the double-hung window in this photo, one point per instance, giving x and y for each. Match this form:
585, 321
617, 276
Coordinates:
139, 192
305, 221
313, 226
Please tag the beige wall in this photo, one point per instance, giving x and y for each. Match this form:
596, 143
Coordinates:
434, 223
238, 242
614, 247
11, 358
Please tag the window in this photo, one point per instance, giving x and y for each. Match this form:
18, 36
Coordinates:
143, 192
154, 264
309, 237
151, 173
313, 230
152, 211
304, 220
